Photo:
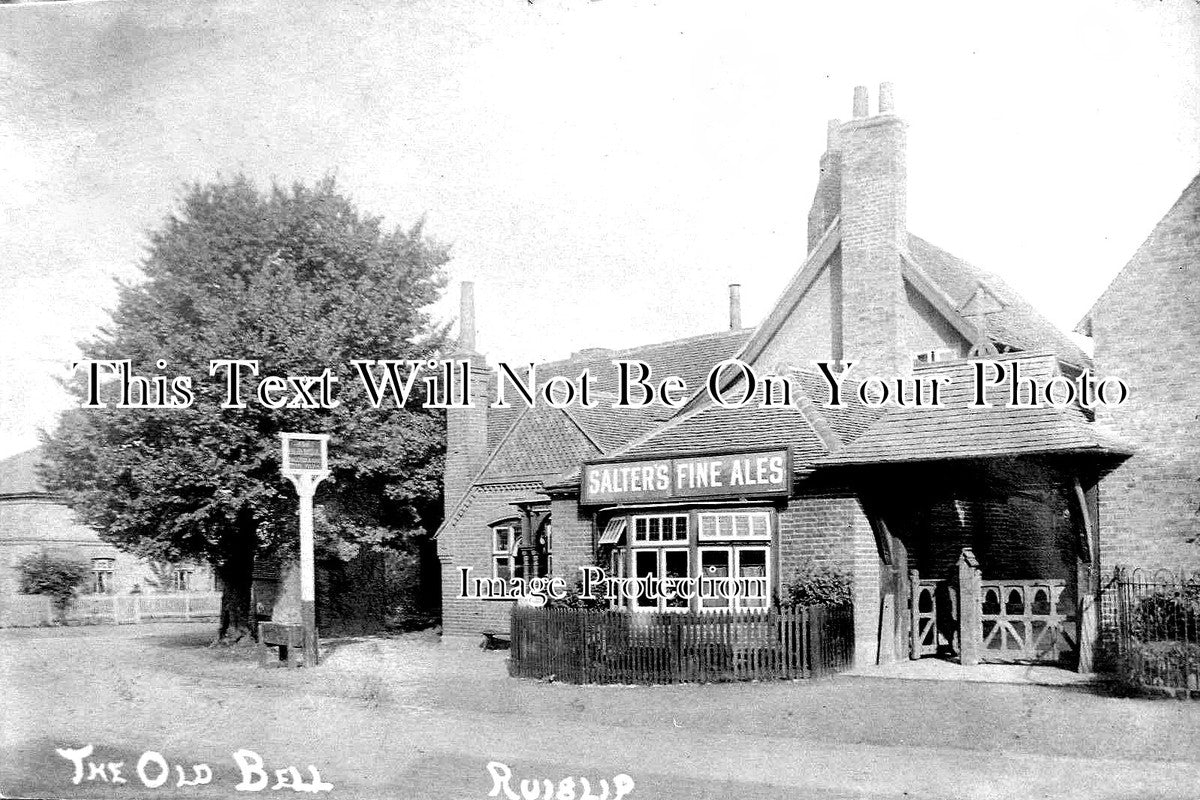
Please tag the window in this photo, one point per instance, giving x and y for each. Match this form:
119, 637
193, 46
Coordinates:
548, 544
748, 564
102, 575
652, 529
931, 356
735, 525
666, 562
506, 543
614, 531
182, 580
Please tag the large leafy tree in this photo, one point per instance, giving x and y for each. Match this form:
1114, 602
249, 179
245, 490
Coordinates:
301, 280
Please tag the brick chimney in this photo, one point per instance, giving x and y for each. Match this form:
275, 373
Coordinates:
735, 306
827, 202
873, 228
466, 428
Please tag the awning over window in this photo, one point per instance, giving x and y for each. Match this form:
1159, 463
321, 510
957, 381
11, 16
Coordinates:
614, 531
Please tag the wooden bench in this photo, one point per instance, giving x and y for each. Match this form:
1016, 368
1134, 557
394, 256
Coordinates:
496, 640
288, 638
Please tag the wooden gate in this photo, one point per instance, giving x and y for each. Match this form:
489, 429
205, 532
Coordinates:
934, 615
1029, 620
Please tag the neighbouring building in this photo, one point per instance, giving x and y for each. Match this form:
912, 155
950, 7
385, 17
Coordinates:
1145, 328
32, 519
921, 506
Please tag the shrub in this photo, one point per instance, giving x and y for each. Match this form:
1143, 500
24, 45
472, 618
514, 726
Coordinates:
818, 584
1172, 615
53, 574
576, 599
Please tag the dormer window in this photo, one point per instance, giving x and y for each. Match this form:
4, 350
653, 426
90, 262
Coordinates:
938, 354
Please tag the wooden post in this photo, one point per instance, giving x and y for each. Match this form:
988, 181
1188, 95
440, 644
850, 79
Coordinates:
1087, 579
305, 464
914, 626
970, 624
306, 487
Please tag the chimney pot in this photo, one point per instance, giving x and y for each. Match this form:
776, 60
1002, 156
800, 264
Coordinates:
887, 104
861, 102
466, 317
735, 306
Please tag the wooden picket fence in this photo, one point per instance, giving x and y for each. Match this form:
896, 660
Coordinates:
26, 610
599, 646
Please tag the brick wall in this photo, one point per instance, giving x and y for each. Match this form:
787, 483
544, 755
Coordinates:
467, 542
1146, 330
831, 528
572, 540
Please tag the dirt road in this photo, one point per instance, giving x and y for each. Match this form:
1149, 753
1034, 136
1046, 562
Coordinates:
406, 718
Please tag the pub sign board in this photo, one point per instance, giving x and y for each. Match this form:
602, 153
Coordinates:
758, 474
305, 453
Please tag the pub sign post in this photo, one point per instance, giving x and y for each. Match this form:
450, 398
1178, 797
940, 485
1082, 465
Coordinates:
306, 463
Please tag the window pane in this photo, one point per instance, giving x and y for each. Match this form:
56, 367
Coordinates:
741, 526
681, 529
500, 540
639, 529
725, 526
500, 567
676, 566
758, 526
653, 524
714, 568
646, 564
753, 564
708, 526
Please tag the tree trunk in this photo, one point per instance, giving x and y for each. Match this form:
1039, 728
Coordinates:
237, 578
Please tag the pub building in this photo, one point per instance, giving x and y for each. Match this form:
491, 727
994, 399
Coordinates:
919, 506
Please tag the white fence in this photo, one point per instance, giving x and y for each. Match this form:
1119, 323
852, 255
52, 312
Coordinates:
27, 610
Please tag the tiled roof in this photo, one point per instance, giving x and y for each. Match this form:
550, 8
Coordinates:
610, 428
690, 359
956, 431
18, 473
713, 427
543, 442
1018, 324
749, 428
499, 420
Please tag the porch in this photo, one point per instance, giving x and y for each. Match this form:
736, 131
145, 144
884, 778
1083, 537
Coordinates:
989, 561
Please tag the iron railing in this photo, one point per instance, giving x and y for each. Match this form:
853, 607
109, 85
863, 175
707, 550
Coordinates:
1150, 629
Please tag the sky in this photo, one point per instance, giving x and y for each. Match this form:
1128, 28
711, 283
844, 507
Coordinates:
602, 169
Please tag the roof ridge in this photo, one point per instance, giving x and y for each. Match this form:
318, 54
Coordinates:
606, 351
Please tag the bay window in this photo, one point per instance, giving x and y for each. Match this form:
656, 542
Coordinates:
727, 560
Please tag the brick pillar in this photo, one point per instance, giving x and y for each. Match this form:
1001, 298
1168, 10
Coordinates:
874, 229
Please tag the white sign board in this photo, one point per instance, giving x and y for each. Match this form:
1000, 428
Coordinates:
305, 453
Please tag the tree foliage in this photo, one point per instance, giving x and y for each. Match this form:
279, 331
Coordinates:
301, 280
56, 575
